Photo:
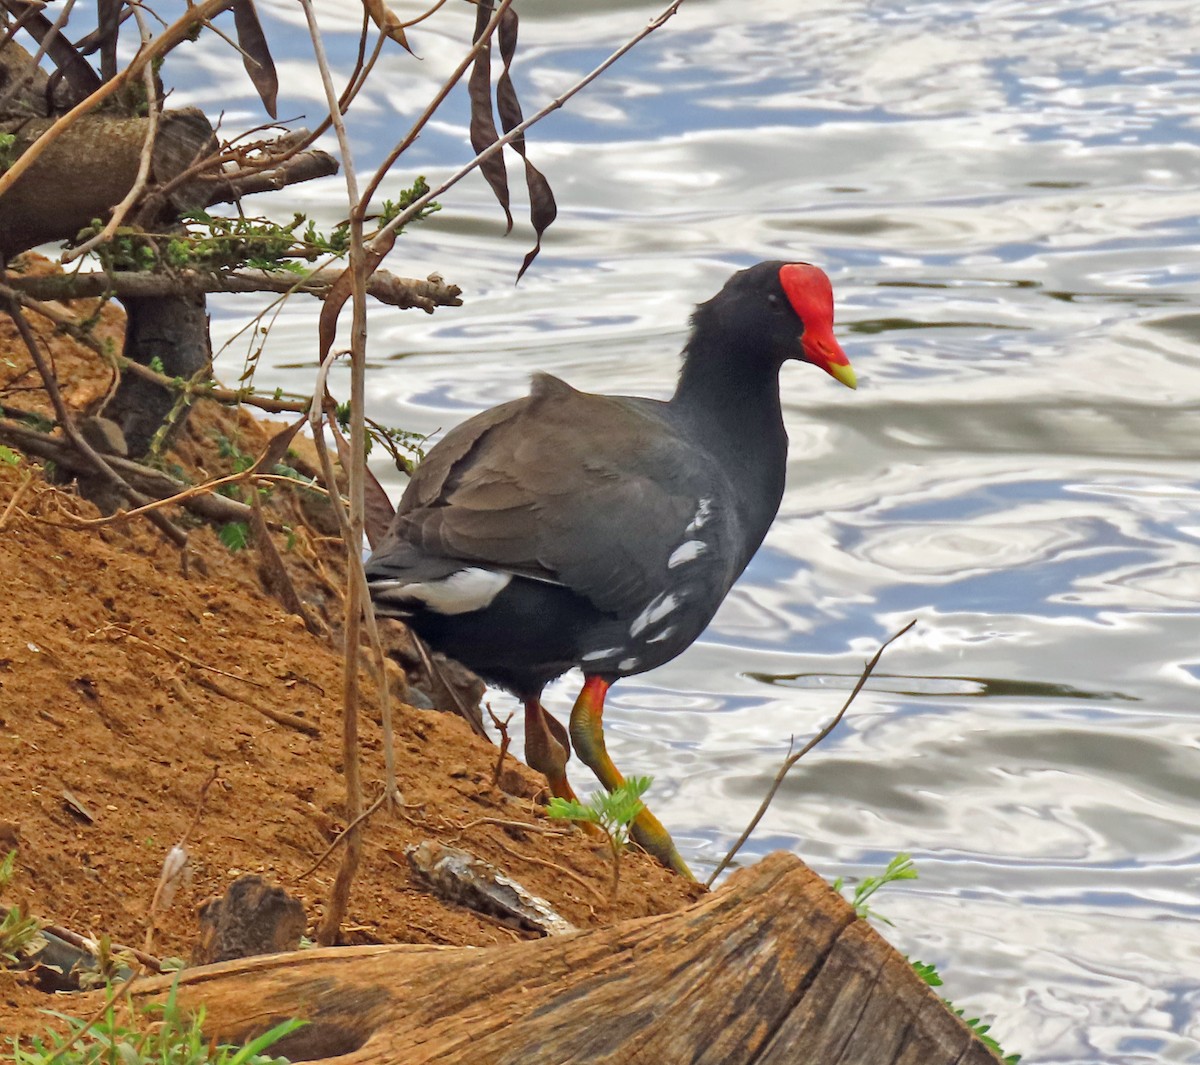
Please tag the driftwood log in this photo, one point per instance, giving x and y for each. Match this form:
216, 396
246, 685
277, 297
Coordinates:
773, 968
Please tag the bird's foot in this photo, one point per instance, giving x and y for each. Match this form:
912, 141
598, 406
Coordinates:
648, 833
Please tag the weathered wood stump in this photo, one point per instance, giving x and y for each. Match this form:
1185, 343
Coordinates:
773, 968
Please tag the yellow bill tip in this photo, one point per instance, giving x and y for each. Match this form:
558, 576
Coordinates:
842, 371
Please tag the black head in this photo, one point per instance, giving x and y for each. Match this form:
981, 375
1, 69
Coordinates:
780, 311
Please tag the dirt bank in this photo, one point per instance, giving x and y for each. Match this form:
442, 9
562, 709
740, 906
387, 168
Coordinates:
124, 682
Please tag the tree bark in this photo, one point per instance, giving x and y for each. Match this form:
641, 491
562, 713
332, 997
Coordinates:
773, 968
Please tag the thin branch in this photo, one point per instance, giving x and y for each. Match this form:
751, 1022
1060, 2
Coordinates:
403, 292
339, 897
169, 878
347, 833
178, 656
792, 759
90, 946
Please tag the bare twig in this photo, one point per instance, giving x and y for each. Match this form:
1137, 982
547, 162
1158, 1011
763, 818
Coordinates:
792, 759
112, 993
347, 833
270, 455
22, 487
434, 672
179, 656
505, 740
481, 42
44, 46
90, 946
425, 294
560, 869
327, 932
525, 826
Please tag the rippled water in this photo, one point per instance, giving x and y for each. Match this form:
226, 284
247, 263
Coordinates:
1005, 194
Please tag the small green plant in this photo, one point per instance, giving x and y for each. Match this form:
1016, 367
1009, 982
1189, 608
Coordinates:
235, 535
610, 811
7, 140
16, 930
218, 242
157, 1034
9, 457
901, 867
403, 445
928, 972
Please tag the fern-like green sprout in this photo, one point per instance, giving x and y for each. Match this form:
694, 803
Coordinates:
901, 867
610, 811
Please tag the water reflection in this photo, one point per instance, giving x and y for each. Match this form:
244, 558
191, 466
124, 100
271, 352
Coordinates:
931, 687
1005, 194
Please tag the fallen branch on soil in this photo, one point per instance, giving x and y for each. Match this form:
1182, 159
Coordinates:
792, 759
773, 968
271, 456
274, 574
152, 482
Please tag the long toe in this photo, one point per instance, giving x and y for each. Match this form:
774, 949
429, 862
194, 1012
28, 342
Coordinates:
649, 834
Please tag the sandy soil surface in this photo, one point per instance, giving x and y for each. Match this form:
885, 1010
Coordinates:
126, 681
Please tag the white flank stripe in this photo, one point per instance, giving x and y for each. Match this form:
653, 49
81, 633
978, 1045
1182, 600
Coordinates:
461, 592
686, 552
594, 656
703, 510
657, 609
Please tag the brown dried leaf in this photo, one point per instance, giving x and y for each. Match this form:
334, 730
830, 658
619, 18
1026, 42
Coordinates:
483, 124
377, 508
276, 450
343, 287
389, 25
256, 56
542, 207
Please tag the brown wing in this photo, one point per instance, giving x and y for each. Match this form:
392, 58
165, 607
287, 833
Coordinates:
564, 486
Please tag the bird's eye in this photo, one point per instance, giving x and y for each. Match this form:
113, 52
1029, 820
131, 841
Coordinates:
775, 302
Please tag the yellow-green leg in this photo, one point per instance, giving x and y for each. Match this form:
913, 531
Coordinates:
587, 734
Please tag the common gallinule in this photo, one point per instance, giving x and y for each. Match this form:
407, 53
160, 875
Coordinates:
571, 529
